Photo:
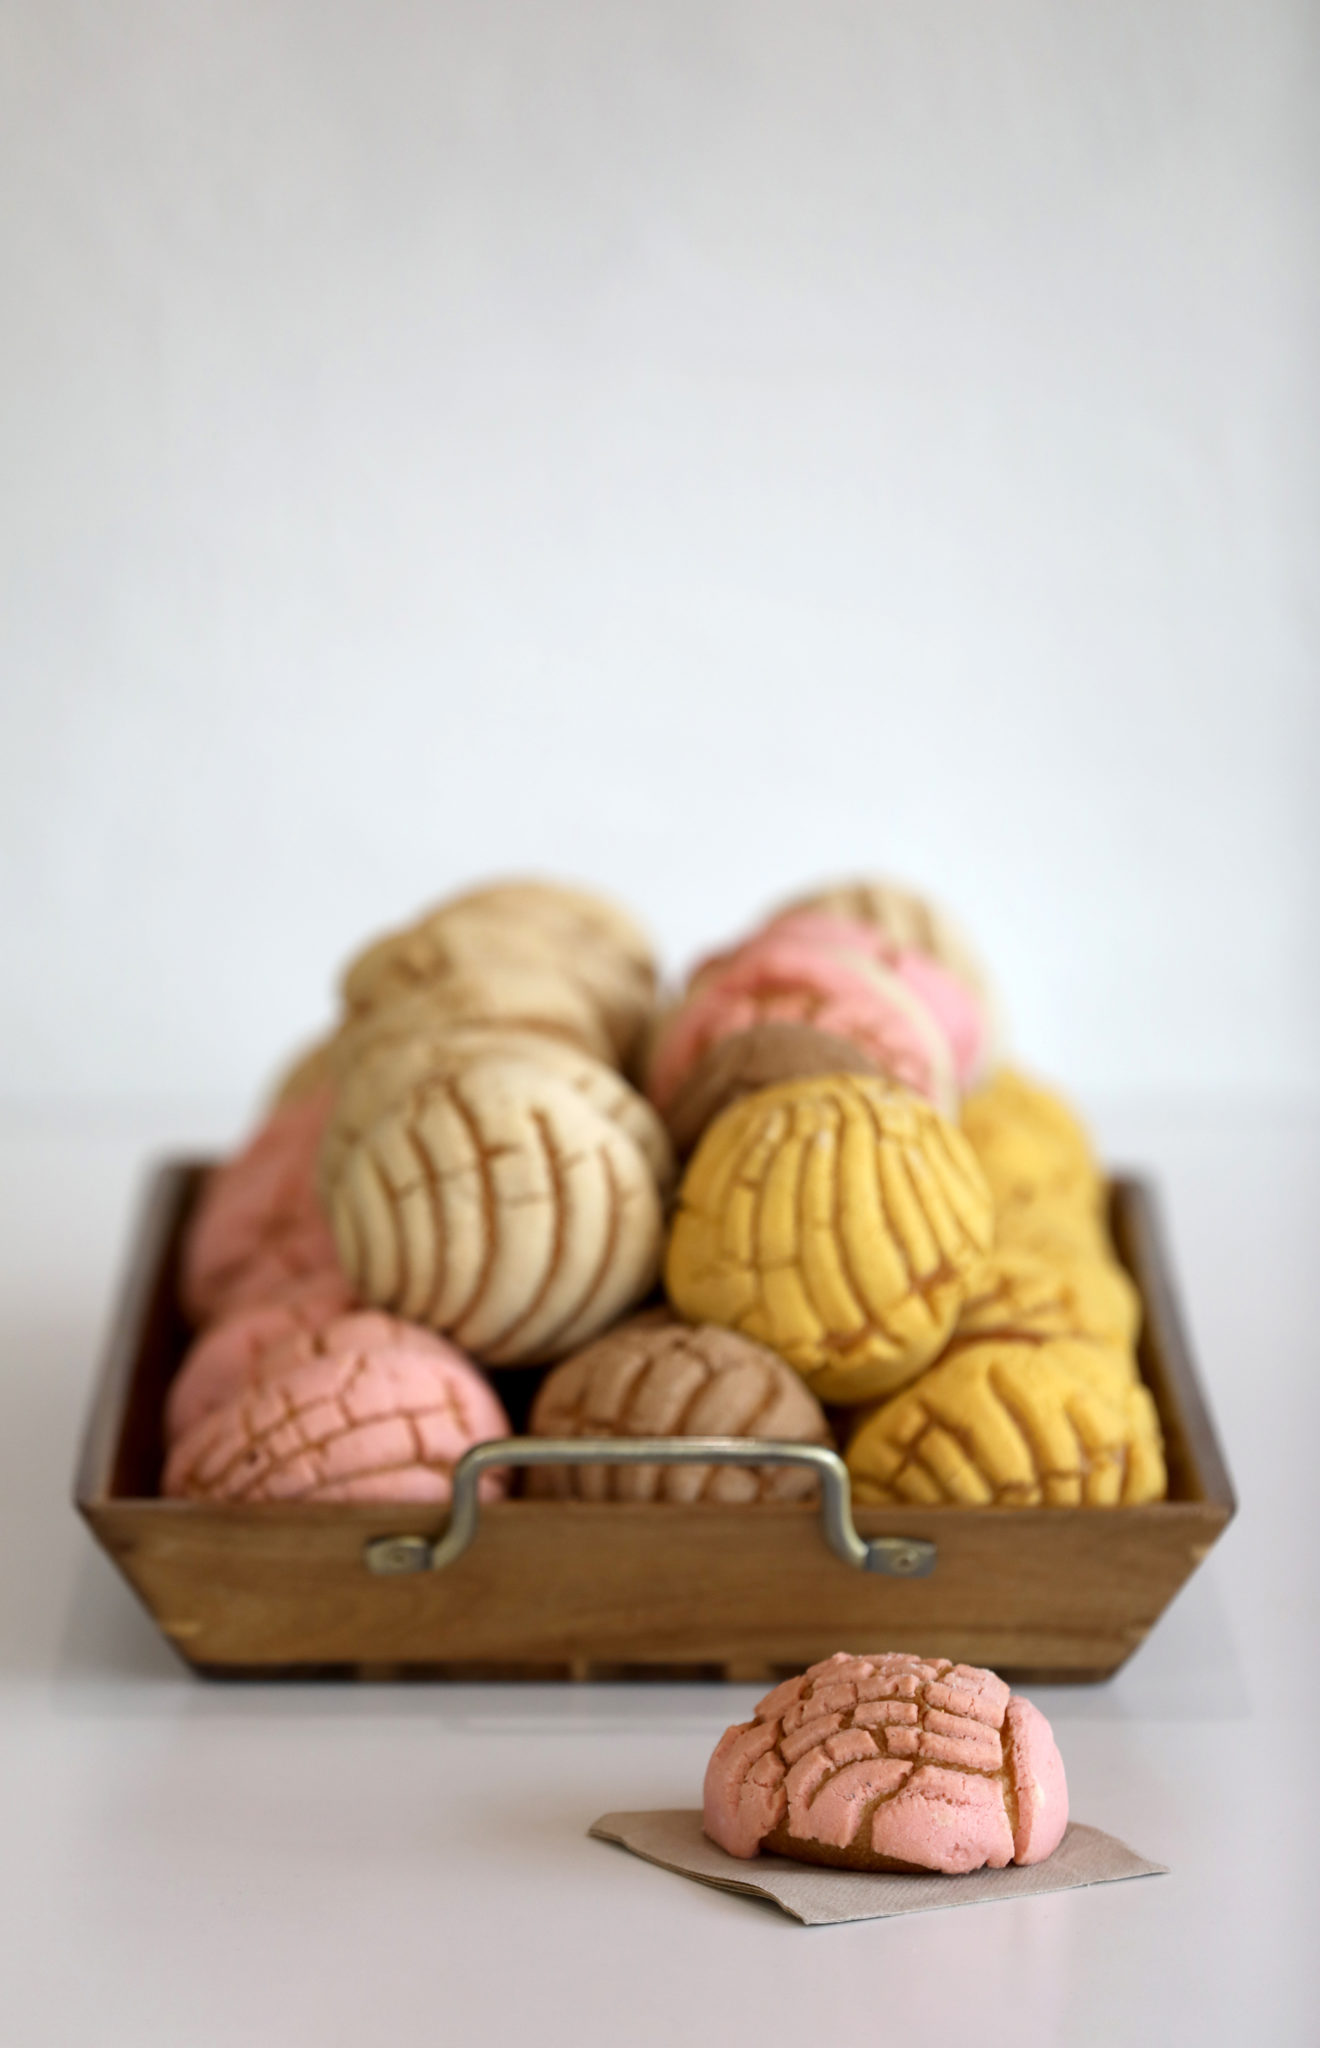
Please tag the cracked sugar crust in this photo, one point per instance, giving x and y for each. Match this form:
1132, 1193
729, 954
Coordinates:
509, 994
747, 1061
499, 1205
655, 1376
784, 978
1059, 1423
854, 947
369, 1409
1031, 1146
1018, 1293
394, 1050
903, 916
836, 1220
579, 917
228, 1352
889, 1762
259, 1225
579, 938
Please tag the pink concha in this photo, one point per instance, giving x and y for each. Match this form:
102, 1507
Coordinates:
1042, 1788
955, 1005
367, 1409
259, 1224
890, 1762
229, 1351
777, 977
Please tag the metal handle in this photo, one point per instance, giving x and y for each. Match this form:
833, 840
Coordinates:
899, 1557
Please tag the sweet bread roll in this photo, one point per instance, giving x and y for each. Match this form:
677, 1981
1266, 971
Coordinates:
498, 1204
655, 1376
383, 1064
362, 1418
1062, 1229
578, 938
1004, 1424
258, 1224
501, 995
958, 1010
226, 1354
1017, 1293
788, 980
580, 917
1031, 1146
890, 1762
836, 1220
747, 1061
903, 916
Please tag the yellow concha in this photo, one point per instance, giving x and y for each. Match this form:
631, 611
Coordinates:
1004, 1424
1030, 1144
1017, 1292
836, 1219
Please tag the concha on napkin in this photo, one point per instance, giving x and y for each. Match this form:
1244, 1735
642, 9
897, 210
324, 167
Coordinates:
654, 1376
890, 1762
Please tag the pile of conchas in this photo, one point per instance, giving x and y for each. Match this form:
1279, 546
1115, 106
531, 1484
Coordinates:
882, 1237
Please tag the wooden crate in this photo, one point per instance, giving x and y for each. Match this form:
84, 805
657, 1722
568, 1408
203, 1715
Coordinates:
552, 1589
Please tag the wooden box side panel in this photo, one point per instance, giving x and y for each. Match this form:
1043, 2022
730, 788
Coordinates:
120, 1458
563, 1582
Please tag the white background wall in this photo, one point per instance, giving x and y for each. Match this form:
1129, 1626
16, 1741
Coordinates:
689, 446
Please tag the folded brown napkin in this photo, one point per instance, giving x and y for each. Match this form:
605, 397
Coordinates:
820, 1897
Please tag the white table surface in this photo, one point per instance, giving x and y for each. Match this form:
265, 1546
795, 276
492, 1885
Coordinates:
197, 1864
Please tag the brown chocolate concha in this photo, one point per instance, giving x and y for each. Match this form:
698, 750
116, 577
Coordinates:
750, 1060
656, 1376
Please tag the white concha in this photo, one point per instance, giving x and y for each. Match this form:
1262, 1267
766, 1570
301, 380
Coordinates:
498, 1204
396, 1049
588, 943
503, 995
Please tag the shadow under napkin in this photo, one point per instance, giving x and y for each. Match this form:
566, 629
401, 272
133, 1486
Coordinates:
821, 1897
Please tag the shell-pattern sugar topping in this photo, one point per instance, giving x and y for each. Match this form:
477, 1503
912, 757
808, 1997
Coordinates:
1055, 1424
499, 1205
836, 1220
890, 1762
655, 1376
356, 1422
